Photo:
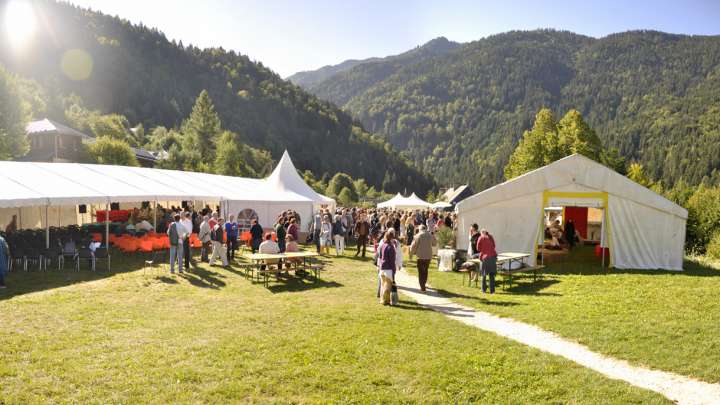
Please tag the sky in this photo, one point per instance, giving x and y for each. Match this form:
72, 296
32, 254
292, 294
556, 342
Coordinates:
295, 35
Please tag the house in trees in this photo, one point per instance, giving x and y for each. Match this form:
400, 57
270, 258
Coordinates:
51, 141
454, 195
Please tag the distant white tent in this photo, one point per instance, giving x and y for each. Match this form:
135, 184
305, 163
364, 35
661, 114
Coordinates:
399, 202
642, 229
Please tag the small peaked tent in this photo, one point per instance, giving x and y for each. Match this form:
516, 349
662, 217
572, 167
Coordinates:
642, 229
284, 189
391, 202
404, 203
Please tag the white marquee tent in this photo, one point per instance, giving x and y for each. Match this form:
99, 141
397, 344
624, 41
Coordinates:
284, 189
642, 229
399, 202
51, 191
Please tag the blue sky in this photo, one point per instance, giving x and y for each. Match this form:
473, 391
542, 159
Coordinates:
289, 36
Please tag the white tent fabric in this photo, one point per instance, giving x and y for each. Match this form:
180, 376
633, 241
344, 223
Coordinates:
404, 203
34, 184
284, 189
645, 230
440, 205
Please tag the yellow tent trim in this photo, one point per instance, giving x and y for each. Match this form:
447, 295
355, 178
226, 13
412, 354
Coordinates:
547, 195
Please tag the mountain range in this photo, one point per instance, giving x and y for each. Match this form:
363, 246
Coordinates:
458, 110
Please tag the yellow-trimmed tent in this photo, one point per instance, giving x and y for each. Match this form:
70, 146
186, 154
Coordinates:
642, 229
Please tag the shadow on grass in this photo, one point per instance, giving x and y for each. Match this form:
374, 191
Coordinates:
200, 277
483, 300
297, 284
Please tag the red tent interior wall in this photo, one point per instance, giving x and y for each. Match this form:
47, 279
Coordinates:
579, 215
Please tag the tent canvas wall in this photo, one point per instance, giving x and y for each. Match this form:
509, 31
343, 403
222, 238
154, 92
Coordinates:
643, 230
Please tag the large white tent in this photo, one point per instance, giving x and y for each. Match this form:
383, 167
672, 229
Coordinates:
642, 229
398, 202
48, 191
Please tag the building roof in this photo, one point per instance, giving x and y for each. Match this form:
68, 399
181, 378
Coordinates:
452, 194
48, 127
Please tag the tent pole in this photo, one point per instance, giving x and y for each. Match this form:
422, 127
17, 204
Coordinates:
602, 241
107, 225
47, 228
155, 210
19, 218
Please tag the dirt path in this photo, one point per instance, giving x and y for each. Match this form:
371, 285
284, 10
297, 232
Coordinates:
680, 389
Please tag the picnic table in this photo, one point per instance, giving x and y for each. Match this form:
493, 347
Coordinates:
505, 263
258, 259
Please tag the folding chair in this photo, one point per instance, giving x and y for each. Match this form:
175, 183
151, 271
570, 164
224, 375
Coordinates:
85, 254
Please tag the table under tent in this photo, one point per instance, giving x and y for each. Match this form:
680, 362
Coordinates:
53, 195
639, 229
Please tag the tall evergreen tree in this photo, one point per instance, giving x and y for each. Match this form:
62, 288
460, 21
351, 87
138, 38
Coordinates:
537, 146
576, 136
201, 130
229, 160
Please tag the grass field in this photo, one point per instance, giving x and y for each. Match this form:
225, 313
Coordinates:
212, 336
665, 320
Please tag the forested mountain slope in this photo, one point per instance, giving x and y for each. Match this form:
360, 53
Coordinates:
348, 82
118, 67
654, 96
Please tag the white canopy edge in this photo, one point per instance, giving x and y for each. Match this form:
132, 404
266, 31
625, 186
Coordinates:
56, 184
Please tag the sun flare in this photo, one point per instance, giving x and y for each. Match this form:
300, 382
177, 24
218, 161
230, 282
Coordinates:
19, 21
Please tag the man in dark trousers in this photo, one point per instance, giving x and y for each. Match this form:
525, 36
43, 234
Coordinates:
256, 234
487, 254
570, 233
362, 229
422, 247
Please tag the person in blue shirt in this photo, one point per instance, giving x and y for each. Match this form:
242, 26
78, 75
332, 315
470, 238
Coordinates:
231, 231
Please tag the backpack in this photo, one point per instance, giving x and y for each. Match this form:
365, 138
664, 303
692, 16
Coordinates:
173, 234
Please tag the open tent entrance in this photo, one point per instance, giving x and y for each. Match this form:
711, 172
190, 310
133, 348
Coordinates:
587, 213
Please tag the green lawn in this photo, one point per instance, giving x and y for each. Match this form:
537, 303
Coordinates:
213, 336
665, 320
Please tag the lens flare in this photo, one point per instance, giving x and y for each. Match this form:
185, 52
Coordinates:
76, 64
19, 22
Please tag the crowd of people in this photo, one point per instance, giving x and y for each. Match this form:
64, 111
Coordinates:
392, 236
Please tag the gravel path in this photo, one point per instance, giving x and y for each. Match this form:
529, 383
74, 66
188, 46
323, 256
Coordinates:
680, 389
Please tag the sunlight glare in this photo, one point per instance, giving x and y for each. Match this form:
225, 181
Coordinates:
19, 22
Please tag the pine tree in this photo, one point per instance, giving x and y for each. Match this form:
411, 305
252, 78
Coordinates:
576, 136
636, 173
532, 151
229, 160
201, 130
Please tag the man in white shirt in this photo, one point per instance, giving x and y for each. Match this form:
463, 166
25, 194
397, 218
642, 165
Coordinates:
186, 222
271, 247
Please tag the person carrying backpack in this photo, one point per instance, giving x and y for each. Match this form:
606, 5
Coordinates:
176, 233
